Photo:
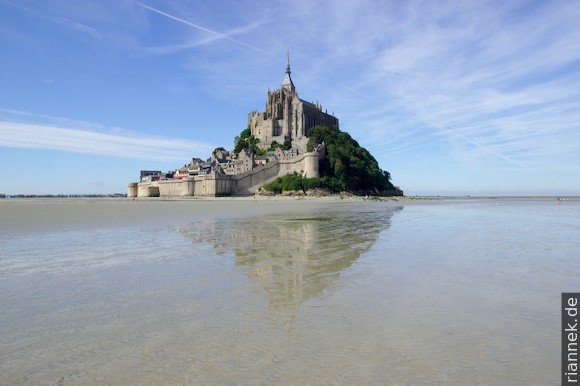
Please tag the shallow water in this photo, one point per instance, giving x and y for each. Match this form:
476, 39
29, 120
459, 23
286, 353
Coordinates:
243, 292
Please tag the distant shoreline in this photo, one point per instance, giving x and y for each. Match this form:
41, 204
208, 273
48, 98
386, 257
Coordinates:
333, 197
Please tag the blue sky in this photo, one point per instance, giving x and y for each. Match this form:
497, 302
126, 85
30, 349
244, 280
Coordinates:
451, 97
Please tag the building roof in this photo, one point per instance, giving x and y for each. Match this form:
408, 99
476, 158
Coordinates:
287, 79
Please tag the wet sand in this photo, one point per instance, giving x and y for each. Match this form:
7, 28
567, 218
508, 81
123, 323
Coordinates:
284, 291
62, 214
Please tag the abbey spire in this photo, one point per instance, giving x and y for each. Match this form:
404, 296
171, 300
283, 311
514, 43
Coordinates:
287, 82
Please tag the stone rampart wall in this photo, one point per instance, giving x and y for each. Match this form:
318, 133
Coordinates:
247, 183
291, 166
148, 189
132, 189
306, 164
311, 165
243, 184
213, 186
176, 188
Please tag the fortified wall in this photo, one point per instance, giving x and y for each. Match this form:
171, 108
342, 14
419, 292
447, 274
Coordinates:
221, 184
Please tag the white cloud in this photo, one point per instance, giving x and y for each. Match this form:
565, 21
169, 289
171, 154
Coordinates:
37, 136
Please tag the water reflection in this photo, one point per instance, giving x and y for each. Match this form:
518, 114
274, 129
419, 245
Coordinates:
297, 256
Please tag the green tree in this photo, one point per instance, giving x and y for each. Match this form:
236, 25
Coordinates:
240, 145
274, 145
347, 165
246, 132
245, 141
253, 143
241, 141
218, 149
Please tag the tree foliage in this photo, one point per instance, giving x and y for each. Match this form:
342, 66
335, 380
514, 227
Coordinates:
287, 145
348, 165
218, 149
294, 182
245, 141
274, 145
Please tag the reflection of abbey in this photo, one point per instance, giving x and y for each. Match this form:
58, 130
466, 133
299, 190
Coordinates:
291, 257
285, 120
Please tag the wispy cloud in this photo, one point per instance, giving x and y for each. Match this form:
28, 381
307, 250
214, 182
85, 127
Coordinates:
491, 80
61, 20
77, 26
192, 43
216, 35
116, 143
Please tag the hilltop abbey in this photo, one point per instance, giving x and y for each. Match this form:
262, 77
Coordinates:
285, 120
287, 117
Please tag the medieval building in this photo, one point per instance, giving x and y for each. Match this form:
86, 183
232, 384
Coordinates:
287, 117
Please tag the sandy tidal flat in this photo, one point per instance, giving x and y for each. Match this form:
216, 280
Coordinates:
252, 291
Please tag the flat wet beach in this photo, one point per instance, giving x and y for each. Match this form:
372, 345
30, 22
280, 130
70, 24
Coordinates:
251, 291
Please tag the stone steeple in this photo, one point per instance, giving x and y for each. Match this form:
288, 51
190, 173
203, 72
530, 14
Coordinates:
287, 82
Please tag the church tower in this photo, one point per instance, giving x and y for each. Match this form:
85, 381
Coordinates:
288, 96
287, 82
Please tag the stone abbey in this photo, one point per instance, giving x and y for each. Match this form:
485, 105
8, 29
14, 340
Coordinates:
287, 117
285, 120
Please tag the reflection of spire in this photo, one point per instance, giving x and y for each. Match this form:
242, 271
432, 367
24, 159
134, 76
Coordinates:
287, 82
290, 326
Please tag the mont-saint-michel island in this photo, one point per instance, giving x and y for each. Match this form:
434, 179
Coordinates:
293, 145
